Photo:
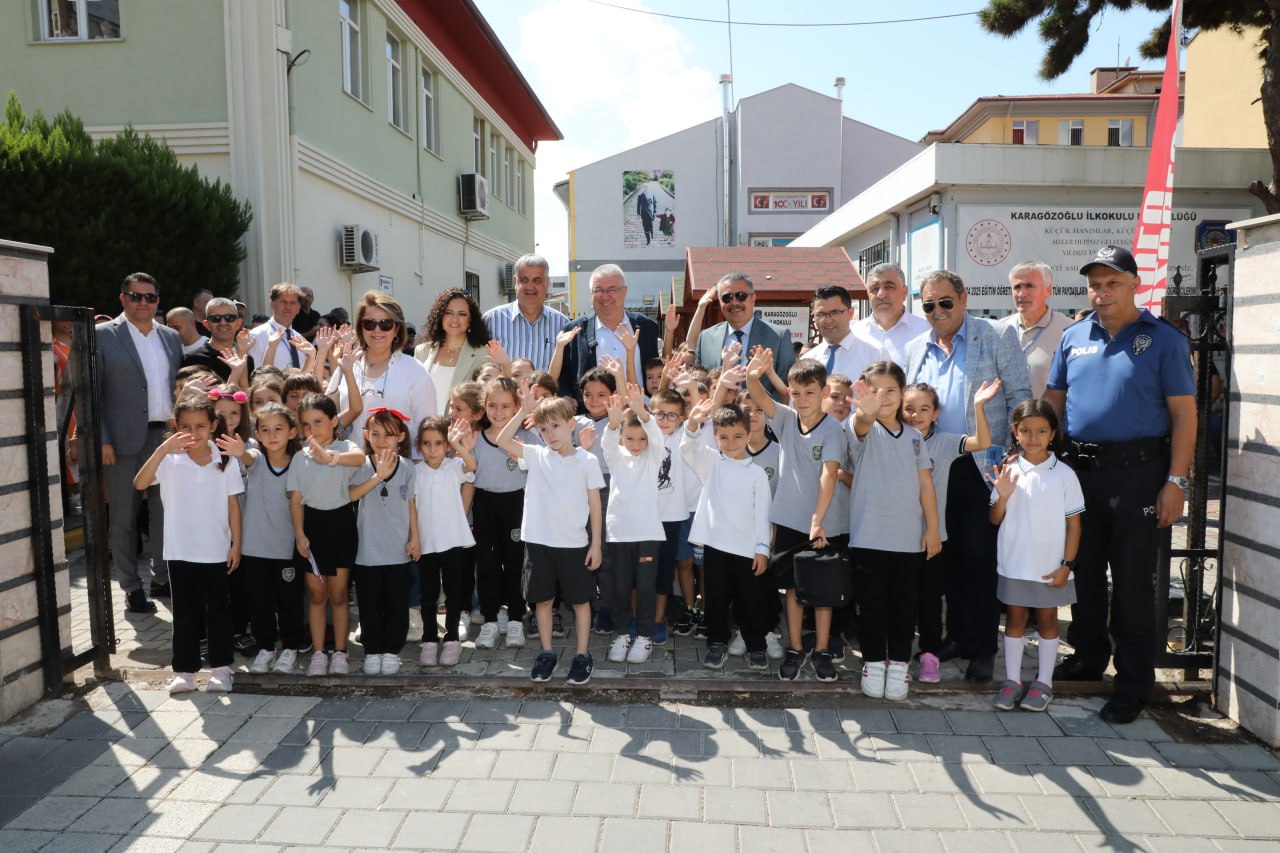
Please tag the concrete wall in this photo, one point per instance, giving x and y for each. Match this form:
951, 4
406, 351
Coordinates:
1248, 675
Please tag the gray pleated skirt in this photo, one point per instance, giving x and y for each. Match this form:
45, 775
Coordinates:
1035, 594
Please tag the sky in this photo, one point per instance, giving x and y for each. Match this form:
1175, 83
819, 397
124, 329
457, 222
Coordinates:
613, 77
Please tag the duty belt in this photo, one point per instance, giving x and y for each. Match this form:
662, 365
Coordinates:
1088, 456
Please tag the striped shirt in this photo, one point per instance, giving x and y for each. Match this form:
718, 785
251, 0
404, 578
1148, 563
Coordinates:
522, 339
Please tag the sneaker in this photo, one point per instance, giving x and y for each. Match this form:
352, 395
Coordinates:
450, 653
836, 647
873, 676
504, 621
373, 664
792, 661
640, 651
307, 649
684, 623
477, 618
757, 660
220, 680
604, 623
488, 636
246, 646
1006, 698
580, 670
319, 665
823, 667
390, 663
338, 663
619, 647
464, 628
897, 680
262, 663
737, 646
808, 642
659, 633
429, 653
285, 663
1038, 697
929, 672
557, 627
543, 666
514, 632
714, 658
533, 625
773, 646
183, 682
700, 629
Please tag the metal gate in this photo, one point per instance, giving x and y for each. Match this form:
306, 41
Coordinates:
59, 658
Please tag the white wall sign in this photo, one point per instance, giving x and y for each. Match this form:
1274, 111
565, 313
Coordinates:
792, 317
777, 201
386, 284
924, 251
990, 239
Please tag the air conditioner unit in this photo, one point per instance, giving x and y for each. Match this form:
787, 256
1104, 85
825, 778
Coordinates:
473, 196
358, 249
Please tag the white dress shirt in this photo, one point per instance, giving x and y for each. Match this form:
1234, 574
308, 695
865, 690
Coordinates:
891, 344
155, 366
852, 356
607, 343
258, 349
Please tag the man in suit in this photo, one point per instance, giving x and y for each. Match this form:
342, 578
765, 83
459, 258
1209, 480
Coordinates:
600, 333
956, 357
286, 302
647, 207
138, 361
737, 295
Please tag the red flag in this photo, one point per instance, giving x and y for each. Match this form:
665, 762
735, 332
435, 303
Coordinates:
1151, 239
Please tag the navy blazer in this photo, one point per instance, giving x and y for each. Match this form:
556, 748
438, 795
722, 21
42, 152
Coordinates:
580, 354
122, 383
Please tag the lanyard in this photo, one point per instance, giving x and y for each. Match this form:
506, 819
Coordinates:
1029, 344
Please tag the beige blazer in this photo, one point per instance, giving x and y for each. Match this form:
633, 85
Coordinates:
468, 360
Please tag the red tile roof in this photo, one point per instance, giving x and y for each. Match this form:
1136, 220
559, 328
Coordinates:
779, 270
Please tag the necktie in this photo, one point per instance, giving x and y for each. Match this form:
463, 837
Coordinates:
831, 359
293, 351
738, 334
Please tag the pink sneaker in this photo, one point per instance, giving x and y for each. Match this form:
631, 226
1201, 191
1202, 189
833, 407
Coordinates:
429, 654
929, 673
450, 653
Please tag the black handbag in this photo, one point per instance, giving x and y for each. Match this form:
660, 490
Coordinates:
824, 578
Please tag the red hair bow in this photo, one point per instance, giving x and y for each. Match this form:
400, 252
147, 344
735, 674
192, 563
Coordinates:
398, 414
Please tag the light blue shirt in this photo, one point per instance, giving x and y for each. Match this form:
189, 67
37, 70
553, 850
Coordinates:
731, 336
946, 374
535, 341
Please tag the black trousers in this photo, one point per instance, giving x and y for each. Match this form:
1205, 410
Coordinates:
499, 552
973, 611
383, 593
1119, 530
631, 566
732, 583
929, 602
452, 569
241, 608
886, 586
275, 590
200, 607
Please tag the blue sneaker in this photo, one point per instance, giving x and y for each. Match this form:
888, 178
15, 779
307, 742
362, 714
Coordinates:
659, 633
604, 622
836, 648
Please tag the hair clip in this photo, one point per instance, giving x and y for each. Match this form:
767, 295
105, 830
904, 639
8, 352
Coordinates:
238, 396
398, 414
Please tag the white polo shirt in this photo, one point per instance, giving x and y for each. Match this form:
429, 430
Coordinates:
442, 524
197, 529
632, 515
556, 510
1034, 531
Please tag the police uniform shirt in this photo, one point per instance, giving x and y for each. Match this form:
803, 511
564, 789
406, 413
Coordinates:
1116, 387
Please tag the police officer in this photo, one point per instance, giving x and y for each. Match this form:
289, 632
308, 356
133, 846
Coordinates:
1122, 380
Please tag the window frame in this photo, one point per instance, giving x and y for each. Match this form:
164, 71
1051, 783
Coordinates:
477, 144
494, 165
352, 66
395, 82
521, 192
509, 174
82, 24
430, 124
1067, 128
1120, 126
1030, 131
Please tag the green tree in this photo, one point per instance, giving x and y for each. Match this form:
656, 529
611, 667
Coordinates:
1065, 24
114, 207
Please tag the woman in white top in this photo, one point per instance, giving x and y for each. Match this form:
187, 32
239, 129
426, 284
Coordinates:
455, 342
385, 376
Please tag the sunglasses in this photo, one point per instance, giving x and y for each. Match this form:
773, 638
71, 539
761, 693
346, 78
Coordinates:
221, 318
740, 296
149, 298
369, 324
944, 304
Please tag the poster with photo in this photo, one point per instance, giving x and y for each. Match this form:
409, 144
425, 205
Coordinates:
648, 208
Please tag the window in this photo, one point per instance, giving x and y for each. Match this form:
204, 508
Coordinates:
477, 144
349, 25
1026, 133
395, 83
79, 20
1071, 132
1120, 132
428, 110
472, 284
520, 190
492, 174
509, 174
871, 256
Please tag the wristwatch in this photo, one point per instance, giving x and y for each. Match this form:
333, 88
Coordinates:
1180, 482
1070, 564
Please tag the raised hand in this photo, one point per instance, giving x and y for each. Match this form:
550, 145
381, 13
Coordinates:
274, 337
244, 341
566, 335
985, 392
614, 366
868, 406
346, 357
497, 353
318, 451
761, 363
672, 317
709, 297
527, 401
635, 397
301, 344
587, 437
385, 464
625, 334
732, 354
617, 409
231, 444
232, 358
734, 376
461, 436
179, 442
1006, 479
699, 413
325, 339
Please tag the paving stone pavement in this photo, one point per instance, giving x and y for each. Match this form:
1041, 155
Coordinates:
133, 769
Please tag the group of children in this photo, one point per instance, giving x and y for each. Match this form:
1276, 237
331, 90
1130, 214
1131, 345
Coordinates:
701, 481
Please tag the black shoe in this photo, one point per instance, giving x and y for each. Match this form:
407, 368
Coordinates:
700, 628
245, 645
139, 603
836, 647
557, 626
714, 658
683, 626
980, 669
160, 590
543, 666
1074, 668
791, 663
757, 660
950, 651
1121, 710
580, 669
823, 668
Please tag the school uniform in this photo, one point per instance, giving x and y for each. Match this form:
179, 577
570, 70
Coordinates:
328, 516
446, 541
633, 528
275, 586
554, 523
1032, 541
678, 489
382, 571
497, 509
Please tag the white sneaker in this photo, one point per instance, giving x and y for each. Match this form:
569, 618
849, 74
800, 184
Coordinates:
773, 646
464, 627
183, 682
450, 653
262, 663
737, 646
515, 633
477, 618
429, 653
319, 665
641, 649
286, 661
220, 680
373, 664
338, 664
503, 621
488, 636
873, 676
619, 647
390, 663
897, 681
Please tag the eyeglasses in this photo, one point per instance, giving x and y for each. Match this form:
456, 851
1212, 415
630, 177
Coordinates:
369, 324
149, 298
608, 291
667, 416
221, 318
945, 304
827, 315
740, 296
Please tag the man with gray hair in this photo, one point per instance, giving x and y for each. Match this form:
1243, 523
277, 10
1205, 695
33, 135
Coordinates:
527, 328
1039, 327
891, 326
224, 333
607, 330
736, 294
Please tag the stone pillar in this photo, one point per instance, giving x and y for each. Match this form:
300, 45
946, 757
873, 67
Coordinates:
1248, 672
24, 280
